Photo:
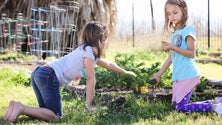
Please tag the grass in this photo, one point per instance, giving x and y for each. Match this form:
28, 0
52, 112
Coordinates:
137, 111
211, 70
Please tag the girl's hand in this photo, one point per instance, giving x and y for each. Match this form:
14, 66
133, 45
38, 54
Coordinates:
130, 73
157, 78
167, 46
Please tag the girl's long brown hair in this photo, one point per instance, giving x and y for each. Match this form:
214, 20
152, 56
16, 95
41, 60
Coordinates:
95, 34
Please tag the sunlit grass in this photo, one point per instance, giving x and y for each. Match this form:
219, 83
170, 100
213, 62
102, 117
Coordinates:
211, 70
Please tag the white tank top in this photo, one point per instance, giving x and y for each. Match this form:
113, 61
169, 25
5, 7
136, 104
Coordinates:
67, 67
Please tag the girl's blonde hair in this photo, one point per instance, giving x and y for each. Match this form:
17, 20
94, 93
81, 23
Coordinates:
183, 6
95, 34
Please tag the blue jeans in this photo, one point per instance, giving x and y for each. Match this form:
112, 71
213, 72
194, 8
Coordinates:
47, 89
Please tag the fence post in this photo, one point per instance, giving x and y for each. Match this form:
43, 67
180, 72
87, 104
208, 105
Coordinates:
208, 24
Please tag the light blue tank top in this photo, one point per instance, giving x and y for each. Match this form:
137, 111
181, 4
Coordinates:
183, 67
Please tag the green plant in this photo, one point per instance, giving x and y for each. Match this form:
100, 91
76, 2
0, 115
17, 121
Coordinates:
20, 77
9, 57
203, 84
200, 52
107, 79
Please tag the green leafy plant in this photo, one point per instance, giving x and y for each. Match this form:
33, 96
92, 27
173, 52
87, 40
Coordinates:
21, 78
107, 79
9, 57
203, 84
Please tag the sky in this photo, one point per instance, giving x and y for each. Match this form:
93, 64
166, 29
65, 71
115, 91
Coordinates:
142, 14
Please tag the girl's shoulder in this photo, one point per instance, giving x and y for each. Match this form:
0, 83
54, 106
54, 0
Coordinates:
189, 31
189, 27
84, 47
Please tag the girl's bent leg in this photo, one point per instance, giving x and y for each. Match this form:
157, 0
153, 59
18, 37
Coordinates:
186, 107
196, 107
39, 113
47, 90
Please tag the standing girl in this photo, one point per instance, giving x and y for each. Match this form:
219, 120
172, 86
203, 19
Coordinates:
185, 74
46, 80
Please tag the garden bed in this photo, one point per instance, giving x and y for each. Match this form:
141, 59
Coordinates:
108, 94
210, 60
163, 94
